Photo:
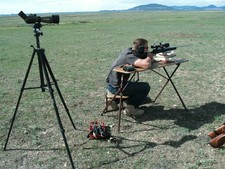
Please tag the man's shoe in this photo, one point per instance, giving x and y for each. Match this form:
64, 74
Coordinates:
113, 106
147, 100
131, 111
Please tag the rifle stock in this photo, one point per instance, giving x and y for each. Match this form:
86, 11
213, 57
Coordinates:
217, 131
218, 141
217, 137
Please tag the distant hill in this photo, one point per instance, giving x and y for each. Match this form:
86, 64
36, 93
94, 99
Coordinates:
196, 8
159, 7
151, 7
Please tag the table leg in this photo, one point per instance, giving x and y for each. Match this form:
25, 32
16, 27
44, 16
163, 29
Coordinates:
169, 79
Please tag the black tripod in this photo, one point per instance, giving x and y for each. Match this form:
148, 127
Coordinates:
46, 74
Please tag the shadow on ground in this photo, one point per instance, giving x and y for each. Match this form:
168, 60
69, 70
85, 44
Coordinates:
193, 119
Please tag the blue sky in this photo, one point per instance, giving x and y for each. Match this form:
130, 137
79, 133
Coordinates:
39, 6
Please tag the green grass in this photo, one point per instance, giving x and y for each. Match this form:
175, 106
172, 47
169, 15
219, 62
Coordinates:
80, 50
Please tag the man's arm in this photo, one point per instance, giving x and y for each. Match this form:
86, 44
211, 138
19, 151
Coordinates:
144, 63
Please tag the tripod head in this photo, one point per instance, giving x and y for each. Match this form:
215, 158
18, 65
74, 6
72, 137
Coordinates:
37, 29
37, 32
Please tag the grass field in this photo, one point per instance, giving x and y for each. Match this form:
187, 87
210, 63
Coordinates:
80, 51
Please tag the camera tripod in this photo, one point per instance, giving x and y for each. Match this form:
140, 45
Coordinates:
46, 74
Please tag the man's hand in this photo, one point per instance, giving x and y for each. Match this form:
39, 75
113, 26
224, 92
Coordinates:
150, 55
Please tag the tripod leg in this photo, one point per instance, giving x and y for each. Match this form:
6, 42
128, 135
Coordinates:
20, 96
59, 92
43, 60
42, 85
64, 104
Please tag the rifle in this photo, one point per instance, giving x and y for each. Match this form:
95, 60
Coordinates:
161, 48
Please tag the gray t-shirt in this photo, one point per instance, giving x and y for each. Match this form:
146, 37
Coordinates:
126, 57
